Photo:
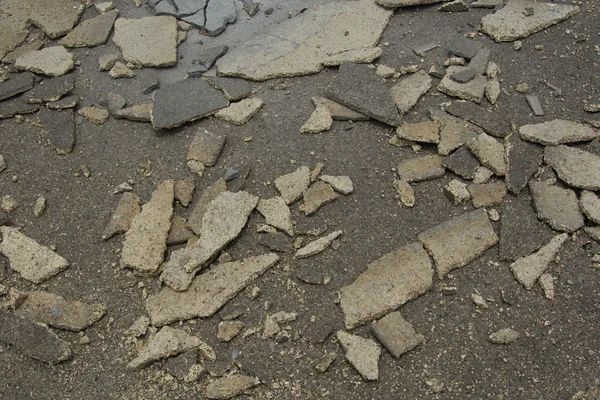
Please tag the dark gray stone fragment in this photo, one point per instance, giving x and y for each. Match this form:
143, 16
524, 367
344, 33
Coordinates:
198, 20
50, 89
480, 62
234, 88
210, 55
462, 162
251, 7
218, 14
33, 340
522, 161
180, 366
276, 242
421, 50
114, 102
464, 75
189, 7
59, 127
196, 70
493, 123
239, 183
358, 87
150, 85
185, 101
165, 7
535, 105
18, 83
16, 106
309, 275
463, 47
593, 147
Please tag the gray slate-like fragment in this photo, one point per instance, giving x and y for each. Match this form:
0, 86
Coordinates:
318, 195
15, 106
528, 269
50, 89
576, 167
462, 162
472, 90
559, 207
59, 128
492, 122
522, 161
18, 83
218, 14
234, 88
409, 90
504, 336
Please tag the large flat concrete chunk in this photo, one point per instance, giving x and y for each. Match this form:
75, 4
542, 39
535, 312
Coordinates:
557, 206
362, 353
576, 167
557, 131
396, 334
455, 243
387, 284
149, 41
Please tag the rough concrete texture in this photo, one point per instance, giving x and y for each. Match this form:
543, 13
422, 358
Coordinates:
409, 90
91, 32
557, 131
522, 161
487, 194
137, 112
179, 232
206, 147
396, 334
472, 90
239, 113
457, 192
546, 282
519, 19
454, 132
123, 214
166, 343
230, 386
59, 129
208, 292
426, 132
504, 336
405, 3
421, 168
31, 260
457, 242
319, 121
341, 184
317, 246
528, 269
576, 167
56, 17
50, 89
208, 194
120, 70
277, 214
95, 115
57, 312
388, 283
490, 153
33, 340
145, 242
304, 44
316, 196
590, 205
462, 162
50, 61
339, 112
558, 207
362, 353
149, 41
18, 83
229, 330
405, 193
292, 185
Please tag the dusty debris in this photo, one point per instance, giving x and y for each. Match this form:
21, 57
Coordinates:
166, 343
362, 353
271, 328
292, 185
56, 17
527, 270
504, 336
230, 386
149, 41
482, 175
319, 121
8, 204
421, 168
318, 195
396, 334
317, 246
50, 61
326, 362
558, 207
229, 329
277, 214
454, 6
64, 103
39, 206
405, 193
241, 112
184, 191
139, 327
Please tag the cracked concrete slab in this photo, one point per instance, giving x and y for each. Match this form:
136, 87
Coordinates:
91, 32
148, 41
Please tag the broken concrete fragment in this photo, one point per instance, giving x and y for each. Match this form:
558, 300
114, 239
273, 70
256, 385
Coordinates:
546, 282
40, 206
388, 283
493, 123
342, 184
206, 147
122, 215
421, 168
137, 112
457, 242
316, 196
405, 3
277, 214
409, 90
59, 128
145, 242
228, 330
239, 113
490, 153
64, 103
180, 366
463, 75
590, 205
558, 207
319, 121
454, 131
457, 192
576, 167
463, 47
557, 131
57, 312
8, 204
519, 19
32, 261
50, 90
479, 301
179, 232
208, 292
207, 195
91, 32
149, 41
95, 115
166, 343
108, 61
32, 339
454, 6
362, 353
292, 185
120, 70
472, 90
492, 91
405, 193
317, 246
535, 105
50, 61
462, 162
184, 191
426, 132
487, 194
56, 18
185, 101
230, 386
271, 328
18, 83
358, 87
339, 112
487, 3
396, 334
303, 44
482, 175
504, 336
233, 88
522, 161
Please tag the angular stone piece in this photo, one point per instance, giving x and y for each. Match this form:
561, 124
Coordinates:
206, 147
123, 214
463, 75
228, 330
95, 115
463, 47
341, 184
149, 41
233, 88
230, 386
590, 205
316, 196
462, 162
409, 90
546, 282
388, 283
405, 3
557, 131
487, 194
472, 90
241, 112
218, 14
56, 17
362, 353
40, 206
490, 153
317, 246
487, 3
34, 262
276, 242
292, 185
426, 132
166, 343
185, 101
528, 269
179, 232
50, 89
514, 21
457, 192
358, 87
454, 6
50, 61
18, 83
319, 121
208, 56
145, 242
33, 340
576, 167
454, 131
421, 168
184, 191
57, 312
396, 334
492, 91
208, 292
535, 105
120, 70
339, 112
91, 32
108, 61
457, 242
59, 128
303, 44
277, 214
137, 112
522, 161
208, 195
504, 336
16, 106
180, 366
64, 103
493, 123
558, 207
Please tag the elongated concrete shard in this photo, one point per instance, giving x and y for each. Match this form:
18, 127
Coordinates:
166, 343
208, 292
557, 131
576, 167
34, 262
387, 284
362, 353
519, 19
328, 34
145, 241
457, 242
528, 269
277, 214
